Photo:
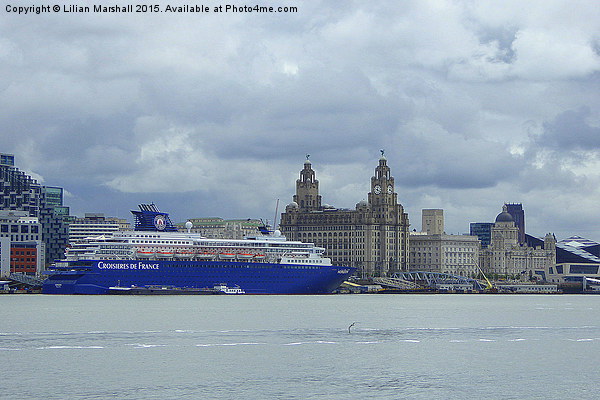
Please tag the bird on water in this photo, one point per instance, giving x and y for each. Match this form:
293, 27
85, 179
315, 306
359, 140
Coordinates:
351, 325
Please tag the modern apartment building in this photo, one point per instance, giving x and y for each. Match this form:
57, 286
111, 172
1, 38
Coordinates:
20, 192
21, 247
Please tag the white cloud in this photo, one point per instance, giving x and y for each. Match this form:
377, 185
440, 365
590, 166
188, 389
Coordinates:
543, 55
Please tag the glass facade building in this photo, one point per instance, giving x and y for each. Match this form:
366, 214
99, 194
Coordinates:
483, 230
20, 192
7, 159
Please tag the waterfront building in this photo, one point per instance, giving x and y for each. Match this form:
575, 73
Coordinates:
95, 224
20, 192
54, 227
483, 231
506, 256
21, 247
373, 237
577, 245
576, 257
219, 228
432, 250
573, 272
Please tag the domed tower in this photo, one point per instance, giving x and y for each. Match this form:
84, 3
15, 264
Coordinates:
504, 232
307, 189
504, 216
362, 206
292, 207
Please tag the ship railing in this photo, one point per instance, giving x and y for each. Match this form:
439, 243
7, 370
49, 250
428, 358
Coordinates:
26, 279
297, 254
212, 255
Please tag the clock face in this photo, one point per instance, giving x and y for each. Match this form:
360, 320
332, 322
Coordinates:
377, 189
390, 189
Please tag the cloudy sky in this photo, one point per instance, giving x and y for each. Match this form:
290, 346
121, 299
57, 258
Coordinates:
476, 103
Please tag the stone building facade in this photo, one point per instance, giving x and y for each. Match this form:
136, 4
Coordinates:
433, 250
506, 256
373, 237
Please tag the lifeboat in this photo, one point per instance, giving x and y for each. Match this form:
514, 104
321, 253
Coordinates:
245, 256
164, 254
205, 256
259, 257
186, 255
226, 256
144, 254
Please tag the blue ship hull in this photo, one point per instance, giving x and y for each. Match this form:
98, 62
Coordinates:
97, 276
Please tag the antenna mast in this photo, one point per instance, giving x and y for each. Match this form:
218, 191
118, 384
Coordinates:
275, 219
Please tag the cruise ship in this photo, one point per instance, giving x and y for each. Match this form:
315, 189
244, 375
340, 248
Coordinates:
156, 255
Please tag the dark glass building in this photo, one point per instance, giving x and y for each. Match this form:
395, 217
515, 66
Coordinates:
516, 210
483, 230
7, 159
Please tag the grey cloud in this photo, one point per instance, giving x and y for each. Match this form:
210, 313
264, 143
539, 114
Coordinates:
317, 110
167, 108
570, 130
450, 161
504, 37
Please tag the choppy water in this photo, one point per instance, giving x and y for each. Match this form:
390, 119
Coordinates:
298, 347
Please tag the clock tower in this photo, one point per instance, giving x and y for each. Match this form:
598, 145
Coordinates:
307, 189
388, 232
382, 197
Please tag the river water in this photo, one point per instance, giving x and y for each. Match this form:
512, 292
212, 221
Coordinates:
300, 347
